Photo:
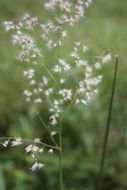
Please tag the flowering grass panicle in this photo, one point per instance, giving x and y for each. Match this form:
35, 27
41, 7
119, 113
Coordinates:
56, 78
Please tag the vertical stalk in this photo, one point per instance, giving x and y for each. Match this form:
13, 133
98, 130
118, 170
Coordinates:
60, 158
59, 123
103, 157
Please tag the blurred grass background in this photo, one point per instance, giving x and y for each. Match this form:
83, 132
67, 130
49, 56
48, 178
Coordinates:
105, 27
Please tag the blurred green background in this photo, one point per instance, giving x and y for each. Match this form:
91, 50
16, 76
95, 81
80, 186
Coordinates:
105, 27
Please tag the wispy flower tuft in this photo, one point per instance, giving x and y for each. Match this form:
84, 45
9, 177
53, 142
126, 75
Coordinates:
71, 80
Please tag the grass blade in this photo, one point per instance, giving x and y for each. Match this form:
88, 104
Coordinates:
2, 182
100, 178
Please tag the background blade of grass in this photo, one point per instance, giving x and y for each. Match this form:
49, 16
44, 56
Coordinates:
2, 181
107, 127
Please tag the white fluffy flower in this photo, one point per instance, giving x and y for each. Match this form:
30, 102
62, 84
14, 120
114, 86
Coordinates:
106, 58
29, 73
64, 65
53, 120
38, 101
37, 140
98, 65
53, 133
41, 150
85, 48
37, 166
27, 93
30, 22
66, 94
50, 150
9, 25
64, 34
5, 143
36, 53
17, 141
28, 148
32, 148
57, 69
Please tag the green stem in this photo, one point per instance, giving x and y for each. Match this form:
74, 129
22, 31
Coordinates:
100, 178
50, 74
46, 127
68, 108
60, 124
29, 140
60, 158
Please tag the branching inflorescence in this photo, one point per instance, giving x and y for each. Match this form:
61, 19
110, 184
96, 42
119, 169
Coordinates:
53, 86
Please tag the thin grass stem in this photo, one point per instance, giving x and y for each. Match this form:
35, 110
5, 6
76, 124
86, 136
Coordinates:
50, 74
69, 107
46, 127
32, 141
59, 122
103, 157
